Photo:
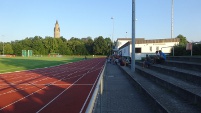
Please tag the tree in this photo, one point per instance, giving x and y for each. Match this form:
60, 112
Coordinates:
64, 49
27, 43
17, 47
63, 39
73, 43
60, 45
8, 48
183, 40
1, 48
81, 49
38, 46
47, 44
100, 46
89, 45
109, 46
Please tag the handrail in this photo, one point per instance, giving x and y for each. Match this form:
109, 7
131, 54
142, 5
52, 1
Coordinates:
99, 87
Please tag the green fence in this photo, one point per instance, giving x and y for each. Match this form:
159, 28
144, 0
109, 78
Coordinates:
30, 53
27, 53
24, 53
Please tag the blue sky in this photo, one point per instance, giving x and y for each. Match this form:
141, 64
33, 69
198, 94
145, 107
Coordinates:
82, 18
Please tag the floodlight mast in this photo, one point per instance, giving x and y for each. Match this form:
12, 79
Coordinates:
172, 20
112, 27
133, 37
112, 33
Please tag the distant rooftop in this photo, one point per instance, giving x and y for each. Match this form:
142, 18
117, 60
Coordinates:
142, 40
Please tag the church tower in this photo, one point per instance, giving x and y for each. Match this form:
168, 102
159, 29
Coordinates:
56, 30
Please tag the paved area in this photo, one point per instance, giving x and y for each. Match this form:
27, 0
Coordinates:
119, 94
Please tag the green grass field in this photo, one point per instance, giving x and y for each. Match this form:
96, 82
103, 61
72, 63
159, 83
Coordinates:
26, 63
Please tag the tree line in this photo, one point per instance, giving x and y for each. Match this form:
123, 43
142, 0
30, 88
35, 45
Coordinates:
76, 46
180, 49
62, 46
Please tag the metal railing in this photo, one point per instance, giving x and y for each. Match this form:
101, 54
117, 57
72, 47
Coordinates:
98, 89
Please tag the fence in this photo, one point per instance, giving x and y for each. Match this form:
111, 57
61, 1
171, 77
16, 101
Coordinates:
98, 89
27, 53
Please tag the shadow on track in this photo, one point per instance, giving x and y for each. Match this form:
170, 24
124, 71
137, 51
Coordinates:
31, 90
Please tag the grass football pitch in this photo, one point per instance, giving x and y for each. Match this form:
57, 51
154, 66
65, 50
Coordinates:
26, 63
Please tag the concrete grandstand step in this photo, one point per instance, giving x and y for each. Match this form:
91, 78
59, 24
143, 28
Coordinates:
189, 76
185, 58
196, 66
188, 91
163, 100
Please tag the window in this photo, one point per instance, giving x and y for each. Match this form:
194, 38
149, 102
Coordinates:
150, 48
137, 50
157, 48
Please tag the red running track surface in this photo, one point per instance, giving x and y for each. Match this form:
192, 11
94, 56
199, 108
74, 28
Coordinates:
61, 89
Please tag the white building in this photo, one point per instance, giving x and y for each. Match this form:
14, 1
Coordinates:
143, 47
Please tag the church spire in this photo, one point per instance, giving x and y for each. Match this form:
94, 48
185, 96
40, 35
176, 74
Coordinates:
57, 30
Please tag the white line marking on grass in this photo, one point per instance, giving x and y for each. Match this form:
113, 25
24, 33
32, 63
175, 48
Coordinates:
10, 69
32, 69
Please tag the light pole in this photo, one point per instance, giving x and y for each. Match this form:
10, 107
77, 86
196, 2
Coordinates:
112, 32
133, 37
110, 48
112, 28
172, 19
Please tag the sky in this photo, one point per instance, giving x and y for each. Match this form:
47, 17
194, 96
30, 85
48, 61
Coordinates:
82, 18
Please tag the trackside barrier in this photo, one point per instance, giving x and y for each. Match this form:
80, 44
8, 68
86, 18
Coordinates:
98, 88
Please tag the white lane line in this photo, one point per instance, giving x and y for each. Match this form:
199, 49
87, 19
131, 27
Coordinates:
36, 77
32, 84
61, 93
43, 88
22, 98
45, 84
29, 95
64, 90
15, 90
90, 92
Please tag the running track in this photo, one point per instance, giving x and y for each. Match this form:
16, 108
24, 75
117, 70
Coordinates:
61, 89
